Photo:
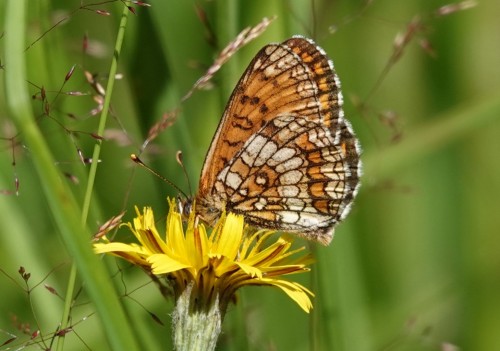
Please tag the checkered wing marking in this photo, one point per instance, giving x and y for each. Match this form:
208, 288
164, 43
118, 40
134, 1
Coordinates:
289, 176
293, 77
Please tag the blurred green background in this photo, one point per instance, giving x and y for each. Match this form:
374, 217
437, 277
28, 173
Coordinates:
416, 265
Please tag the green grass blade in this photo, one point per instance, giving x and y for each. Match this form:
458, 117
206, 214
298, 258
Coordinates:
58, 195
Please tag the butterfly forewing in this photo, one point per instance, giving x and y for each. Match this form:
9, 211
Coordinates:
283, 155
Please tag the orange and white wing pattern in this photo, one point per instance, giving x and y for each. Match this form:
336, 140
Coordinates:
283, 155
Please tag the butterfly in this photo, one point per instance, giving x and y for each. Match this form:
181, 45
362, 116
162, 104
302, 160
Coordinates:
283, 155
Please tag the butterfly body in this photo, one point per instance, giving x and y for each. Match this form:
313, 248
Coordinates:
283, 155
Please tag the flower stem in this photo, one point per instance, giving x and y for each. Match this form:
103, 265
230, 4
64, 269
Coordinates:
196, 326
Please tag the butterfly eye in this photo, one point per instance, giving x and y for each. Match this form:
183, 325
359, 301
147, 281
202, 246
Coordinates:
185, 206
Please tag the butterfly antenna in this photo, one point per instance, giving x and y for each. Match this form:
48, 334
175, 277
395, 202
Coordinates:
137, 160
180, 161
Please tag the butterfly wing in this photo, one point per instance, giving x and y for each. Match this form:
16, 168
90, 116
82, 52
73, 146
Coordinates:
290, 176
287, 103
278, 80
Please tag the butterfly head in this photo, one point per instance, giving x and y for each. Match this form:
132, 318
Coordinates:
203, 208
185, 206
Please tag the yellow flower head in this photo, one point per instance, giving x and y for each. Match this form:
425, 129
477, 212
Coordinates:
216, 265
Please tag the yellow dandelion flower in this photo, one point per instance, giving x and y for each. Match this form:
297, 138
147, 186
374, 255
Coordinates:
208, 269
